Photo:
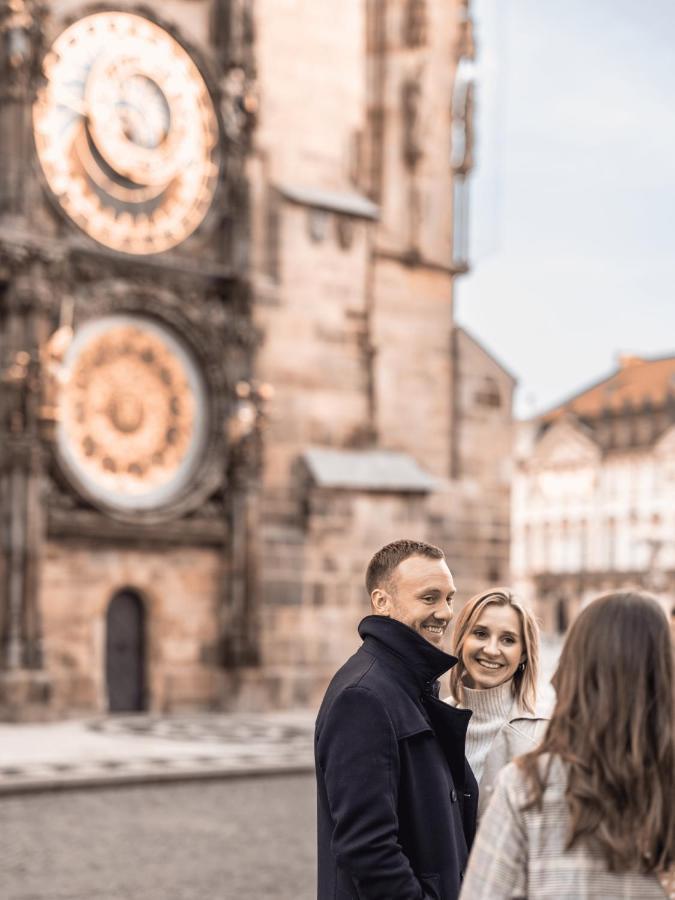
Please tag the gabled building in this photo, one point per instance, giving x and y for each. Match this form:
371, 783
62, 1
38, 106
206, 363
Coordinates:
594, 492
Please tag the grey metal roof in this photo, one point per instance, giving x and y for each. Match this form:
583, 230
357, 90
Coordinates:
367, 470
350, 203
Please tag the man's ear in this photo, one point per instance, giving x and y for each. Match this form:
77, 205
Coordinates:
381, 602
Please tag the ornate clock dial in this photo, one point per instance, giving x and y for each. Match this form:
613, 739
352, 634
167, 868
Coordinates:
131, 413
126, 133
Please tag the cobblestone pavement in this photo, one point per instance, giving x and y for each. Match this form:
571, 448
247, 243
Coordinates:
237, 839
142, 748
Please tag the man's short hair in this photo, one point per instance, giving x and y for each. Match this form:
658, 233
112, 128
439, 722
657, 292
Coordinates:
382, 565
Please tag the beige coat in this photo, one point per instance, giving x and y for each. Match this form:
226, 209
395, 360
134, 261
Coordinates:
521, 733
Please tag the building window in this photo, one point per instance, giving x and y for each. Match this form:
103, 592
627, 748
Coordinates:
415, 23
488, 394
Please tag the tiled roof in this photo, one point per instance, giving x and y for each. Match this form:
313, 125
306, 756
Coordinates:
636, 383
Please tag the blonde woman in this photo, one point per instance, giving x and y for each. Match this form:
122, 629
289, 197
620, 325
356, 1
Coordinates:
590, 813
496, 641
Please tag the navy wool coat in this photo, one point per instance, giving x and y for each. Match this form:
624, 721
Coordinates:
396, 798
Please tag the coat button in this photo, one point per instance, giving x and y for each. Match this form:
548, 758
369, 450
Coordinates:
453, 795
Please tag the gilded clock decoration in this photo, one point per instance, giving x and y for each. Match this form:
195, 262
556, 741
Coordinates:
131, 420
126, 133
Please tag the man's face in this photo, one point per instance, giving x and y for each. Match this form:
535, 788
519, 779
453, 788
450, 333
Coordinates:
419, 594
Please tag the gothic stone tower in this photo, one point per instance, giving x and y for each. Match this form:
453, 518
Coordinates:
125, 341
229, 232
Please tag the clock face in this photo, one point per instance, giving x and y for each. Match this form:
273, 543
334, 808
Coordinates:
132, 413
126, 133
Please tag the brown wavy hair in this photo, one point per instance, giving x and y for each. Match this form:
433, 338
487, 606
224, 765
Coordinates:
614, 727
524, 684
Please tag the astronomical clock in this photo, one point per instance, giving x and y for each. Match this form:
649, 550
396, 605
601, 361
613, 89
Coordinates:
126, 133
131, 422
128, 139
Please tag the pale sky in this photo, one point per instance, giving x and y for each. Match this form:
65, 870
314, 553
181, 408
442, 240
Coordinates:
573, 196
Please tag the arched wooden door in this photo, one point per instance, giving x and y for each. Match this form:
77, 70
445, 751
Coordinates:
125, 653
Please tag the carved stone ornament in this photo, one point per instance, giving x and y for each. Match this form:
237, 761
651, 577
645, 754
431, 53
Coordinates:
21, 39
462, 153
21, 253
238, 105
233, 32
215, 319
127, 133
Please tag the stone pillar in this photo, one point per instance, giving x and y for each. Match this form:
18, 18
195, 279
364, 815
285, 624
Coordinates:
23, 309
22, 514
21, 44
241, 605
232, 35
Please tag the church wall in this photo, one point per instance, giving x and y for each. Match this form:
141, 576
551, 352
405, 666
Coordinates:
483, 405
416, 176
311, 74
412, 322
311, 351
179, 590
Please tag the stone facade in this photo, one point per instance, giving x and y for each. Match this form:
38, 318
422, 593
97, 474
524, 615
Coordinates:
593, 493
314, 305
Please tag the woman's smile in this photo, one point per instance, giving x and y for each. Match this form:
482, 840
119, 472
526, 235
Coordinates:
493, 649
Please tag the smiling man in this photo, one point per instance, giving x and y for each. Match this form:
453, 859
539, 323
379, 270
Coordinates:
396, 797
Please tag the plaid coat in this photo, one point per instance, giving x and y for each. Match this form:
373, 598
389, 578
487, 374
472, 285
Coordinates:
520, 854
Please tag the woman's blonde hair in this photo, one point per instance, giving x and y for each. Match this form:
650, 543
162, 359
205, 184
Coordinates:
614, 727
524, 684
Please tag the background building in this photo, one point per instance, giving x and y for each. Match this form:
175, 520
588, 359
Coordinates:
594, 492
229, 233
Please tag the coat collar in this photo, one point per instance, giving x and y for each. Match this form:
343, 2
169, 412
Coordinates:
394, 642
542, 709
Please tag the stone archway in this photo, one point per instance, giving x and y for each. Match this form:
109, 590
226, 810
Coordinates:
125, 652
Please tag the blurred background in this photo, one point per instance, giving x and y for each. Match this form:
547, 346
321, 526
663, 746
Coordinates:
279, 284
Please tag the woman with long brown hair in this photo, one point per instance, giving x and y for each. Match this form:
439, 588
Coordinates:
590, 813
496, 641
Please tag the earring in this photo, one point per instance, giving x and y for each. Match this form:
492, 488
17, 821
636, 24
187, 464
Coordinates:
521, 667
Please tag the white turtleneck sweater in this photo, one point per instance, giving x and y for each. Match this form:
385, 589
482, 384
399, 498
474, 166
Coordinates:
491, 709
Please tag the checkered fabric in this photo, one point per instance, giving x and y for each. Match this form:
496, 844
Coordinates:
521, 854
